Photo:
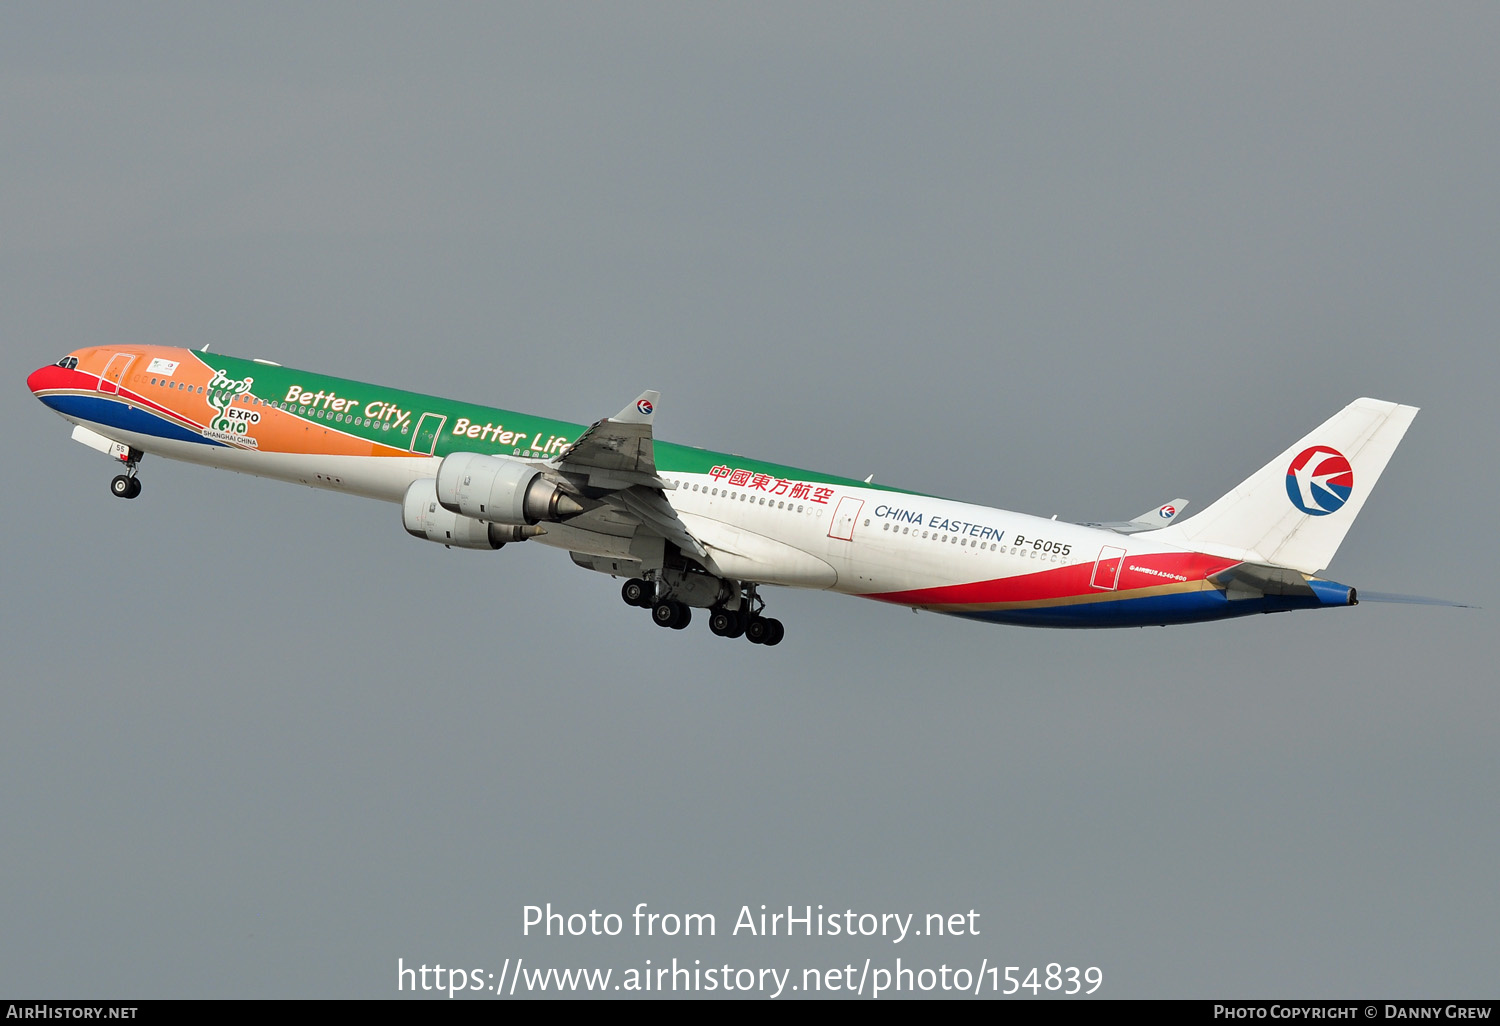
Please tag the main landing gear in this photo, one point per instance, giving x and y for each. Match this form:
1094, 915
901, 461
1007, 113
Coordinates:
745, 621
127, 485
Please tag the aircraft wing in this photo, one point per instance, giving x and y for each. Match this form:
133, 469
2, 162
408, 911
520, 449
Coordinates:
1152, 520
614, 462
617, 451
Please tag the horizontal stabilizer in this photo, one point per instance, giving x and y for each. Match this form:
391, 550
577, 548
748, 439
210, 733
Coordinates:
1267, 580
1153, 519
1255, 581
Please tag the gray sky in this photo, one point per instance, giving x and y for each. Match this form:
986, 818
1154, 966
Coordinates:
256, 741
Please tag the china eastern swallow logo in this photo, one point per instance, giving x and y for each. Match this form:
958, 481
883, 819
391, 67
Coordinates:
1319, 481
644, 405
1167, 512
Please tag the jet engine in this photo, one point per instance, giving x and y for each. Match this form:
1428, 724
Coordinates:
424, 517
500, 491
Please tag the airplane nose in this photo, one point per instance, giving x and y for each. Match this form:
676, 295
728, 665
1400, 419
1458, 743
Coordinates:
49, 378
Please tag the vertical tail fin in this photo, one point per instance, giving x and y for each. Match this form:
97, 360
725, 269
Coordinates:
1295, 510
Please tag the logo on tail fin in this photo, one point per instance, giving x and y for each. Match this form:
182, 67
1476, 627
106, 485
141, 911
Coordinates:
1319, 481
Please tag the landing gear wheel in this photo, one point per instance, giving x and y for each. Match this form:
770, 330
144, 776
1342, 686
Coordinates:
135, 487
637, 592
764, 630
671, 614
125, 487
726, 623
758, 630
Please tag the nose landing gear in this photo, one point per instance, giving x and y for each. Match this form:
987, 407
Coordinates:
127, 485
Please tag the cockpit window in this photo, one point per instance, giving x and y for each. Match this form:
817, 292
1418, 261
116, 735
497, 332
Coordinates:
68, 362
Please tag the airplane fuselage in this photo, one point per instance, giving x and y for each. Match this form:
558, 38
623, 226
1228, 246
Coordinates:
759, 523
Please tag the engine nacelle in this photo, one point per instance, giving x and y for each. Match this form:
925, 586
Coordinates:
500, 491
424, 517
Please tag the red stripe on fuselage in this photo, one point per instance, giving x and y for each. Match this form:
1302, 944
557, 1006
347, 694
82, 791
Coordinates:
1148, 570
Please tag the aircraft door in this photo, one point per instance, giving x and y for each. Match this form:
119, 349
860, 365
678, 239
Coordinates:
114, 372
1107, 568
844, 517
424, 438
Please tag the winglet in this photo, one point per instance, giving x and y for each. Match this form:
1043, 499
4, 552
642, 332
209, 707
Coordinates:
641, 411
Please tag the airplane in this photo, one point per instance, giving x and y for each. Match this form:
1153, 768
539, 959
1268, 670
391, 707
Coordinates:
690, 528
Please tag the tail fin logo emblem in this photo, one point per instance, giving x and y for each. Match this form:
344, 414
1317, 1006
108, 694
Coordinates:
1167, 512
1319, 481
644, 405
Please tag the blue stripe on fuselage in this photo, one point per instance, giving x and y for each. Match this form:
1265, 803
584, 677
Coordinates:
1158, 610
110, 412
